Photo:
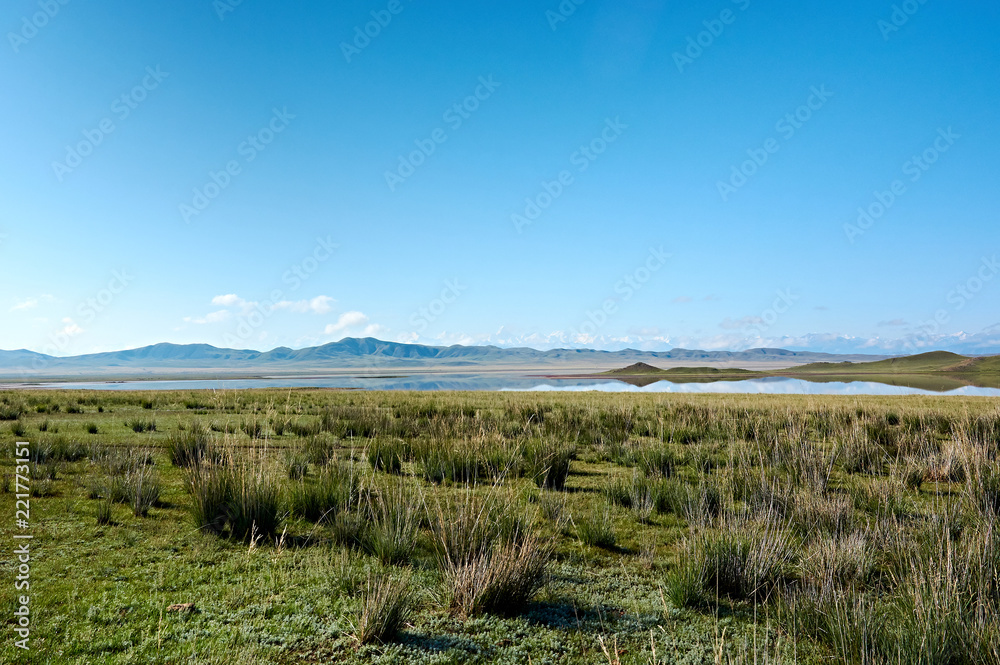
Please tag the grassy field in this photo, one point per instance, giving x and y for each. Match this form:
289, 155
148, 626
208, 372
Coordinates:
324, 526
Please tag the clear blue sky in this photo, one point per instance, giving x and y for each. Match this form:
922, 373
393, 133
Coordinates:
105, 243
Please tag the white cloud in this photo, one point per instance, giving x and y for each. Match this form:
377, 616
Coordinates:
212, 317
374, 330
228, 300
30, 303
318, 305
345, 321
70, 329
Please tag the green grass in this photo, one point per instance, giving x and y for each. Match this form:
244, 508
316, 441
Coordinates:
323, 526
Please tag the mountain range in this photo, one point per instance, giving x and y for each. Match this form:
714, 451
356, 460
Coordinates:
373, 354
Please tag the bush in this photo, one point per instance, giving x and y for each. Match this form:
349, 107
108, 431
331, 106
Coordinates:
385, 605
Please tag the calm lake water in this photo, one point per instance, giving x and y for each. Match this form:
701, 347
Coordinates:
516, 382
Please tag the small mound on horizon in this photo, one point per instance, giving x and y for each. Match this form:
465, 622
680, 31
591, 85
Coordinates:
637, 368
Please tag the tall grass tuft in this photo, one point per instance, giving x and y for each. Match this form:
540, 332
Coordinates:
387, 454
597, 529
385, 603
239, 498
334, 488
395, 516
547, 463
140, 425
492, 561
742, 559
190, 447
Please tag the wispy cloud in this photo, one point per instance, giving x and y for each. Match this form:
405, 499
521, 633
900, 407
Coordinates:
318, 305
741, 323
681, 299
30, 303
232, 304
212, 317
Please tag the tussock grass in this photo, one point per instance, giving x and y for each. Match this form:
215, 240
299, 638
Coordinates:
336, 487
140, 425
394, 515
491, 559
548, 463
385, 604
191, 446
597, 529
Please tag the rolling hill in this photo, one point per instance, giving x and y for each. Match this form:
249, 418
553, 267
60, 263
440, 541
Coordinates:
370, 353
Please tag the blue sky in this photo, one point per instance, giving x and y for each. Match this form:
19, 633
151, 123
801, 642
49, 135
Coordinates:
603, 174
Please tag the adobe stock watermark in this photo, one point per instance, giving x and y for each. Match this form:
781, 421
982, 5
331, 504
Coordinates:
121, 108
562, 13
249, 149
581, 159
914, 168
786, 128
363, 35
432, 311
625, 289
454, 117
223, 7
783, 302
958, 297
294, 277
900, 16
30, 25
704, 40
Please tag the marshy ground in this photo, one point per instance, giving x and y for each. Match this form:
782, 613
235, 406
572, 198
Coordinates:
320, 526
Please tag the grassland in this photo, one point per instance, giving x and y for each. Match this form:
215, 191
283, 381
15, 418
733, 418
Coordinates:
321, 526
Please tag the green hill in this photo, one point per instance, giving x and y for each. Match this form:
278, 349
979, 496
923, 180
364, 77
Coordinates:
935, 361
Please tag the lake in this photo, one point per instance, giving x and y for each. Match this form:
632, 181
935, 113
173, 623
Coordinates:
520, 382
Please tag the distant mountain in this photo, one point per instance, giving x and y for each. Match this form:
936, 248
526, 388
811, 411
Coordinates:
369, 353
